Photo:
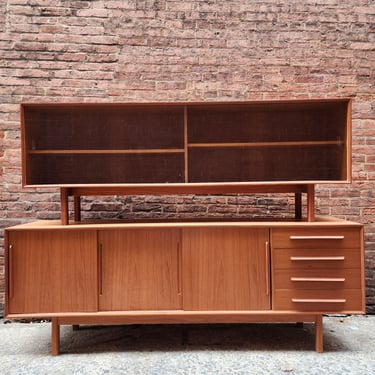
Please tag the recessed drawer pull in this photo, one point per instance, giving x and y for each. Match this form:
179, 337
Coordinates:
316, 237
319, 279
317, 300
317, 258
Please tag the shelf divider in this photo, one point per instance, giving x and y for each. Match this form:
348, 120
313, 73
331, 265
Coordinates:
186, 145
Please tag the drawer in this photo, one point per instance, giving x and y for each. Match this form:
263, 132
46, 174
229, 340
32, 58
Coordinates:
316, 238
312, 279
316, 259
322, 301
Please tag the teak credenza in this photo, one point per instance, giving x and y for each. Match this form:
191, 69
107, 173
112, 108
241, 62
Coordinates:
180, 271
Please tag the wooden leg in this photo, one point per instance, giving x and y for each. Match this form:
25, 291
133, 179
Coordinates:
319, 333
310, 202
77, 208
64, 206
298, 206
55, 337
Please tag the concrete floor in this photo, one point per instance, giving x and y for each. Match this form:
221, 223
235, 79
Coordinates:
191, 349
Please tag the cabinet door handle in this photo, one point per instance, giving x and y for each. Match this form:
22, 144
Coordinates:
316, 237
317, 300
100, 269
267, 269
179, 273
10, 274
318, 279
322, 259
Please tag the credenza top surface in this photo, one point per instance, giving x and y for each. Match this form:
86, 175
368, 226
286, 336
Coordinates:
321, 221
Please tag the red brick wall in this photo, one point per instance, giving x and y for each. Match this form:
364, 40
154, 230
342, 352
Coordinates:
167, 50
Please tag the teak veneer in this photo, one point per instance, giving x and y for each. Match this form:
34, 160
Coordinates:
185, 272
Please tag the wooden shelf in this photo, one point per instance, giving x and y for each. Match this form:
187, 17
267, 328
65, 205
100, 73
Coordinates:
119, 152
267, 144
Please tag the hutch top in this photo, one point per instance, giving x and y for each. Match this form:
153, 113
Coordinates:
163, 148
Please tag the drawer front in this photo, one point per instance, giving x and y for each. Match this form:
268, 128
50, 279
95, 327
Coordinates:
322, 279
323, 301
293, 259
316, 238
317, 269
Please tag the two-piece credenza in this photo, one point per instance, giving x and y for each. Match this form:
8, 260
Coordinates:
76, 271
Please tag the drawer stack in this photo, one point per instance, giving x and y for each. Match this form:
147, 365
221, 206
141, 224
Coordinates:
317, 269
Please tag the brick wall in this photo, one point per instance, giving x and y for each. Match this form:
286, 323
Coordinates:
167, 50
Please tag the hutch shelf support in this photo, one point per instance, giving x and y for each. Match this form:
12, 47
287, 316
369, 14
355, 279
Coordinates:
78, 192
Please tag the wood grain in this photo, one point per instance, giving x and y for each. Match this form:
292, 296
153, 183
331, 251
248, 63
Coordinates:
224, 269
140, 269
52, 271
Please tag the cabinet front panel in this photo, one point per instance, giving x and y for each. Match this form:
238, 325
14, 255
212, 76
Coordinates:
225, 269
139, 269
52, 271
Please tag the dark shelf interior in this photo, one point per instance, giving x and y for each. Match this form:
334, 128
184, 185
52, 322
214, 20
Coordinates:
186, 142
